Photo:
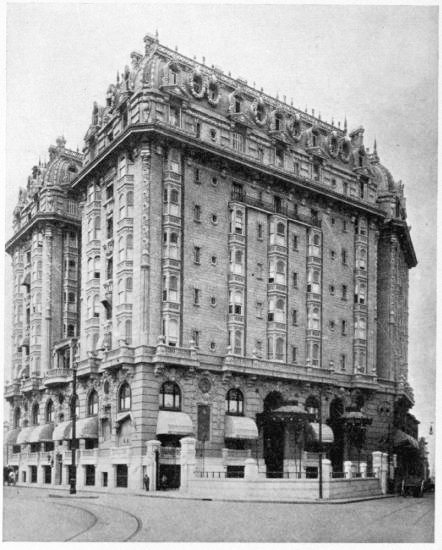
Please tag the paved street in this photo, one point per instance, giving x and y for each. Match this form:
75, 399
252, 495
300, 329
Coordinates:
122, 517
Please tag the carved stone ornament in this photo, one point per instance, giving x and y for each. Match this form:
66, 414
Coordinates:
205, 385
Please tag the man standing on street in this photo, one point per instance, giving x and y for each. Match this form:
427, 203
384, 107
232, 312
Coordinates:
146, 482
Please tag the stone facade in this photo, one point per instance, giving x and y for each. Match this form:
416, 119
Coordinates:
222, 240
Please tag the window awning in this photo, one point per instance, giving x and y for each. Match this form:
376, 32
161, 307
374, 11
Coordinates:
41, 433
85, 428
402, 439
240, 427
11, 436
327, 432
122, 416
23, 436
174, 423
26, 281
62, 431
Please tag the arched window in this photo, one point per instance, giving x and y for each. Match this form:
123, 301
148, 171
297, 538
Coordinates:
96, 305
35, 412
124, 398
279, 311
74, 407
170, 396
92, 404
17, 414
280, 229
238, 343
315, 354
312, 406
128, 332
279, 349
316, 240
50, 411
234, 402
174, 196
129, 246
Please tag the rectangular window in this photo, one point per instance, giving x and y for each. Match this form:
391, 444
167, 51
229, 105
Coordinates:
295, 279
196, 296
197, 175
197, 254
344, 226
344, 292
259, 269
259, 306
196, 337
296, 168
332, 254
344, 256
109, 191
294, 354
294, 317
258, 348
260, 231
342, 361
331, 289
343, 327
279, 157
295, 242
238, 142
197, 213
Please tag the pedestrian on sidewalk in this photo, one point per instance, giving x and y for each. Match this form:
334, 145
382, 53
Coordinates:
12, 477
164, 482
146, 482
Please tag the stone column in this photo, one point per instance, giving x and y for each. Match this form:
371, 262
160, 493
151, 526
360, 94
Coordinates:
46, 302
150, 461
188, 460
347, 469
40, 473
250, 469
384, 473
377, 460
144, 320
363, 469
326, 477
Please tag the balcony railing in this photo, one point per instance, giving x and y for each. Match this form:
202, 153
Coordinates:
170, 452
285, 210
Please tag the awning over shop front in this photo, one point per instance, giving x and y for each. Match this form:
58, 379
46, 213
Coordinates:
240, 427
122, 416
11, 436
23, 436
174, 423
401, 439
327, 432
41, 433
85, 428
62, 431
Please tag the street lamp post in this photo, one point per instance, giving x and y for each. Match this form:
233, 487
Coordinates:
73, 477
320, 443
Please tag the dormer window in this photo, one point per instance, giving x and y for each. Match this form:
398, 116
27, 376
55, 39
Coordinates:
237, 105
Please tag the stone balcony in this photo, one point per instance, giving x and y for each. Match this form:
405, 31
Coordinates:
172, 355
12, 390
55, 377
87, 367
30, 384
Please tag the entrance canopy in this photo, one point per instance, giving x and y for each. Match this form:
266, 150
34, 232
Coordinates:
41, 433
62, 431
11, 436
85, 428
23, 436
401, 439
327, 432
240, 427
174, 423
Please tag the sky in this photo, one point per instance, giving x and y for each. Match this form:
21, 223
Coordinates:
375, 65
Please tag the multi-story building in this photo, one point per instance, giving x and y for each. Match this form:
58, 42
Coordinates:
234, 269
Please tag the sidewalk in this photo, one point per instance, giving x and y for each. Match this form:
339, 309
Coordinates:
62, 492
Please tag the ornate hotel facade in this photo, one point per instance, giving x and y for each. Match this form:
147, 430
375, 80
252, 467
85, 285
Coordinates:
216, 264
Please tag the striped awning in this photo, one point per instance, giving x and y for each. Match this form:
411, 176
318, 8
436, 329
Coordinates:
174, 423
61, 431
240, 427
85, 428
326, 432
41, 433
11, 436
23, 436
402, 439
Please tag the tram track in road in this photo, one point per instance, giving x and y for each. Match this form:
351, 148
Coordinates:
82, 533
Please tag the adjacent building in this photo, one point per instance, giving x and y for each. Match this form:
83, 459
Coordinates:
215, 264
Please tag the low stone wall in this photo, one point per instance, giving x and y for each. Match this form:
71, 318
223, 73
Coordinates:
353, 488
282, 489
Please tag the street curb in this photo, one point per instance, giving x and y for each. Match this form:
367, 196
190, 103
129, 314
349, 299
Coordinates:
73, 496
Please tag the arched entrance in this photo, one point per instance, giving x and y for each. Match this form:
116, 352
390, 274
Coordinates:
337, 448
